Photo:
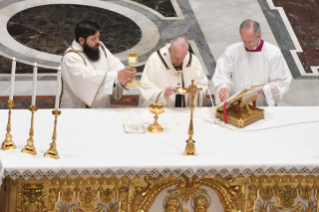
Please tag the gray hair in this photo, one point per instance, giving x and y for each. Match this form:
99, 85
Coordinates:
247, 24
180, 41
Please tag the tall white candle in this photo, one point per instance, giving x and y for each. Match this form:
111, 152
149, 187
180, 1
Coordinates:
57, 97
13, 72
35, 74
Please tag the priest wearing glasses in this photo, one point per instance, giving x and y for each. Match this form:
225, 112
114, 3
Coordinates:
252, 62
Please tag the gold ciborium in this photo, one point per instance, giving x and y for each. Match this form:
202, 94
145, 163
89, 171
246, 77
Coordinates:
156, 109
132, 61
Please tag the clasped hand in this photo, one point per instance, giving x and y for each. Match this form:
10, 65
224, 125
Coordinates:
126, 75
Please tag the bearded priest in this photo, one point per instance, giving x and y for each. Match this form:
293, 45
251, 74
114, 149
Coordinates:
90, 73
169, 69
249, 63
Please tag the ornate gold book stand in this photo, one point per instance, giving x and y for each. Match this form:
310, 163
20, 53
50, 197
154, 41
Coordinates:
239, 112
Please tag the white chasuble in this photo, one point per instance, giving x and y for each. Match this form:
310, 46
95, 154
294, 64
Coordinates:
239, 68
88, 83
159, 73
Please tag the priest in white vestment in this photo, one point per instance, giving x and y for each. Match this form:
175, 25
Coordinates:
90, 73
252, 62
168, 69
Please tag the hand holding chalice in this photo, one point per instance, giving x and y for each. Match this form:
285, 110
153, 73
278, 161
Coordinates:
132, 61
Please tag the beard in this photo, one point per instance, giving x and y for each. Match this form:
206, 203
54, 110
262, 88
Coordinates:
92, 53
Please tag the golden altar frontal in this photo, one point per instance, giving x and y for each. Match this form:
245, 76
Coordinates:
263, 193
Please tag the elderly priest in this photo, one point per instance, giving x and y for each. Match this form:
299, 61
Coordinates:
169, 69
252, 62
90, 73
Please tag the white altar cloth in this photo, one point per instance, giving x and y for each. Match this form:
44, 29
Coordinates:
93, 141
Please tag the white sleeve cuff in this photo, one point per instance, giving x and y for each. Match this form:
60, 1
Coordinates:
268, 95
108, 84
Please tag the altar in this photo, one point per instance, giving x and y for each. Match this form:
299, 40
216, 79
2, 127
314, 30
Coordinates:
271, 165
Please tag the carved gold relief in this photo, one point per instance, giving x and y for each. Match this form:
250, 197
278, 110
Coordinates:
32, 198
277, 193
201, 203
286, 196
252, 197
88, 198
53, 198
305, 190
68, 194
172, 204
267, 191
107, 195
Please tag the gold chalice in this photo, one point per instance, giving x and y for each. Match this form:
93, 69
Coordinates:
132, 61
156, 109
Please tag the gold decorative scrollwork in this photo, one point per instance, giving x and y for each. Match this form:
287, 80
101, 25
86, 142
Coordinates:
88, 198
107, 195
201, 203
53, 198
286, 196
267, 191
32, 198
67, 194
172, 204
252, 197
305, 190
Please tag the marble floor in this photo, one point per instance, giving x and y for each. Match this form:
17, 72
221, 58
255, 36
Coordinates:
32, 31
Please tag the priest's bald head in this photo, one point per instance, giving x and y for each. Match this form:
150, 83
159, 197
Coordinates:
178, 50
87, 34
250, 33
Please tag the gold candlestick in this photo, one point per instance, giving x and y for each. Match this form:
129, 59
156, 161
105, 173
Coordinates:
156, 109
52, 152
8, 143
132, 61
190, 143
29, 148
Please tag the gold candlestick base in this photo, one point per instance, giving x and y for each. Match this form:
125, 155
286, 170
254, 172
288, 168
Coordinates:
155, 128
190, 148
8, 144
52, 152
156, 109
29, 148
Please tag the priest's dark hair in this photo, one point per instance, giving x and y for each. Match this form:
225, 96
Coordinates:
85, 29
247, 24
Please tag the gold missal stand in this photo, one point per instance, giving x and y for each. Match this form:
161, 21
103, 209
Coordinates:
190, 143
8, 143
239, 112
29, 148
52, 152
132, 61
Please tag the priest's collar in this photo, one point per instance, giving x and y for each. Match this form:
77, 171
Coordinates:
258, 48
178, 68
